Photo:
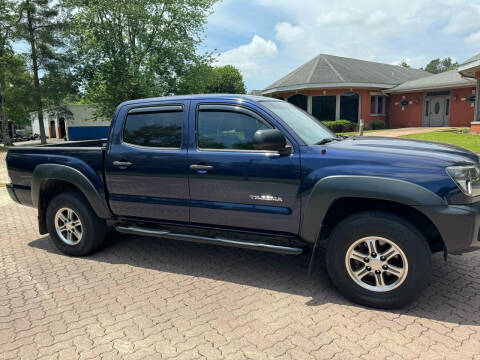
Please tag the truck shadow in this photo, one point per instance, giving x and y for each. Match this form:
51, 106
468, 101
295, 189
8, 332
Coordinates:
453, 296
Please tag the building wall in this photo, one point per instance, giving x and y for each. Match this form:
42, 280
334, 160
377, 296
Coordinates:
46, 122
80, 123
364, 99
83, 125
461, 111
410, 115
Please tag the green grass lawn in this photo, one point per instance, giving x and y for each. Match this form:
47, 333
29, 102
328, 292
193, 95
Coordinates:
354, 132
468, 141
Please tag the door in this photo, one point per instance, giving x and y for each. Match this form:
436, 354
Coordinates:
146, 163
52, 129
61, 127
232, 184
437, 111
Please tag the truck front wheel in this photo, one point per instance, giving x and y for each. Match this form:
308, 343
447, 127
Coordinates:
378, 259
74, 227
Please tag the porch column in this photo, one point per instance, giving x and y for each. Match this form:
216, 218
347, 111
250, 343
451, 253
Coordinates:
337, 107
477, 101
309, 104
359, 108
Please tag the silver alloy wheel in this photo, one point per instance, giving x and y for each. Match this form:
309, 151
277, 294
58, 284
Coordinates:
68, 226
376, 264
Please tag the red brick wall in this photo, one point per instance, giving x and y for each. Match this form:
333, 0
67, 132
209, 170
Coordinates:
412, 113
461, 112
364, 98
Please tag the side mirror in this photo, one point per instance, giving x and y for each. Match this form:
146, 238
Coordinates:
270, 139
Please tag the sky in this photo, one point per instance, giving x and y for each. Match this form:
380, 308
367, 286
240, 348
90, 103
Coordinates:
266, 39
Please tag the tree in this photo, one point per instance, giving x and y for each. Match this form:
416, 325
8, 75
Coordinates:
19, 101
7, 28
404, 63
437, 66
196, 79
227, 79
42, 27
204, 78
133, 49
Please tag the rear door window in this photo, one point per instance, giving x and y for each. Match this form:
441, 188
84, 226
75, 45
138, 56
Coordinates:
159, 129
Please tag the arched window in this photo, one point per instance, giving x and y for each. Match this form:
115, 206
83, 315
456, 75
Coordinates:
299, 100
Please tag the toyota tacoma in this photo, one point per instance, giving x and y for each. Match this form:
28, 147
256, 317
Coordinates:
259, 173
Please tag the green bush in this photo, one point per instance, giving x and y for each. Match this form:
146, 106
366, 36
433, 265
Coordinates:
377, 124
340, 125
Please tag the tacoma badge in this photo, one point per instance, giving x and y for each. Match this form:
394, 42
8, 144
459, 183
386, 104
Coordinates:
266, 198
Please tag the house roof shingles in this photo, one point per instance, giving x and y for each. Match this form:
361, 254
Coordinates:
335, 71
445, 80
472, 59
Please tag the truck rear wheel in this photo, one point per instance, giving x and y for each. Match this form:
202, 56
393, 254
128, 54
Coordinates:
378, 259
74, 227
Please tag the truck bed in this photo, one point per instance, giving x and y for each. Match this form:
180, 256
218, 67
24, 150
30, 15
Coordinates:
85, 156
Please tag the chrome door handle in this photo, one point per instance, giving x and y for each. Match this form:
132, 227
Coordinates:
122, 163
201, 169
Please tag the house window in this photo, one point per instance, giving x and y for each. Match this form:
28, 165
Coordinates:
299, 100
377, 105
323, 107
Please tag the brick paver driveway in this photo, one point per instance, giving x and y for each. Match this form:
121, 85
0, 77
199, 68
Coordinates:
145, 298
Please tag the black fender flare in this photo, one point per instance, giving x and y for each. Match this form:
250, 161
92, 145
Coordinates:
66, 173
331, 188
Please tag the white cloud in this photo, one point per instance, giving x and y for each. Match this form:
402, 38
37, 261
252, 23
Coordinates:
286, 32
250, 58
464, 20
375, 30
473, 39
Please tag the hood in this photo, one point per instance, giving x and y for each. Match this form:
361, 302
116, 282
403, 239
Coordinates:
418, 148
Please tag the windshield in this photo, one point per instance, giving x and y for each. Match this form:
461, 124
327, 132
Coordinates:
310, 130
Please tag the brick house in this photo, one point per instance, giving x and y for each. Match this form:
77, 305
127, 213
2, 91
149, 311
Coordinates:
332, 87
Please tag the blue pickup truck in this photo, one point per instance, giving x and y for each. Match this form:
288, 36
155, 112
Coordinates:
259, 173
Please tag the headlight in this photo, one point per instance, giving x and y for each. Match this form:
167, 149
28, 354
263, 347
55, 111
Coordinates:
467, 178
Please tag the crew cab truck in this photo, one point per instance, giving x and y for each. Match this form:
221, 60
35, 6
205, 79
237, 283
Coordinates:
259, 173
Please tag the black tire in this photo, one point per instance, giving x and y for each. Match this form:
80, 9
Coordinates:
93, 228
398, 231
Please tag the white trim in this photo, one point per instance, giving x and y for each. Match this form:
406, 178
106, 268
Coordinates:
428, 88
469, 66
337, 107
327, 86
360, 109
476, 116
309, 104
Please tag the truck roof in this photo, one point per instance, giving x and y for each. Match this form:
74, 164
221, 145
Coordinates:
202, 96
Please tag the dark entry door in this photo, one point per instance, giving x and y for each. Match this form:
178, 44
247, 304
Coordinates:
52, 129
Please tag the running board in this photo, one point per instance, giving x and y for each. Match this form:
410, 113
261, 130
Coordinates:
134, 230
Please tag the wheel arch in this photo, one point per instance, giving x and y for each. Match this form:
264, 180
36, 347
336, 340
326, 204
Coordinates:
336, 197
49, 180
